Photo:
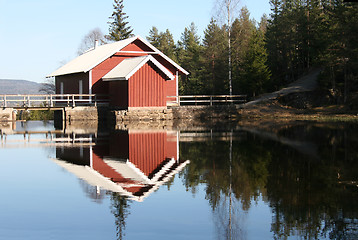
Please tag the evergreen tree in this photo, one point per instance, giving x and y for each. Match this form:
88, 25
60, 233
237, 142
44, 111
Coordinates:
242, 29
263, 24
215, 59
255, 77
190, 58
164, 41
341, 55
154, 37
302, 34
118, 27
167, 44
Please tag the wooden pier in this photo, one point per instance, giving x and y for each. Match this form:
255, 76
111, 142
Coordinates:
67, 107
52, 101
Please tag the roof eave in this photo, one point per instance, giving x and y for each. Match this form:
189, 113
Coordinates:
115, 79
163, 55
113, 52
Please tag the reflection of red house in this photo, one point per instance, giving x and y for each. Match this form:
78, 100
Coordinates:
133, 163
133, 72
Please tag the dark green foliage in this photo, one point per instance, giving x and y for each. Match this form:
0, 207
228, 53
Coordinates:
190, 53
215, 59
118, 27
207, 61
304, 34
341, 55
299, 35
255, 74
35, 115
164, 41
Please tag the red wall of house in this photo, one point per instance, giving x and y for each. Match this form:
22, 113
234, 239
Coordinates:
99, 86
146, 88
170, 85
137, 45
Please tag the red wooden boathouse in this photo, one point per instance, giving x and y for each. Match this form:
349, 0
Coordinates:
132, 72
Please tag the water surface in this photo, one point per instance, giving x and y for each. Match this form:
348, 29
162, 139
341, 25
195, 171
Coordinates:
298, 181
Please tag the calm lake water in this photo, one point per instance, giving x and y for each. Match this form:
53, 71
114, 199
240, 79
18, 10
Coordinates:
297, 181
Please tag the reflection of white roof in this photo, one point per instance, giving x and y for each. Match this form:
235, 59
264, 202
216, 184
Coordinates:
126, 169
90, 59
130, 66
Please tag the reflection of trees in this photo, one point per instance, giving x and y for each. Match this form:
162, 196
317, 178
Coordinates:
210, 165
94, 193
307, 194
311, 195
230, 185
229, 219
120, 210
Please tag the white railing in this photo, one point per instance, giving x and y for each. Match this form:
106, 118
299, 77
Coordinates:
53, 100
206, 100
56, 138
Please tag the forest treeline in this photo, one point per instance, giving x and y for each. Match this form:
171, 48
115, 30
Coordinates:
297, 36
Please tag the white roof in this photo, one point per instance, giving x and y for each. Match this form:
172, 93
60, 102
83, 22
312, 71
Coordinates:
127, 169
91, 59
130, 66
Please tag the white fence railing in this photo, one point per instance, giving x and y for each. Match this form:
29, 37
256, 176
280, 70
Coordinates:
206, 100
52, 100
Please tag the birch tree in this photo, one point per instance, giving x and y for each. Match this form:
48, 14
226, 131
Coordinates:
227, 10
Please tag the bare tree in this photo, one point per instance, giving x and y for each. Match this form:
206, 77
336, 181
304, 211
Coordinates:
48, 87
226, 13
89, 40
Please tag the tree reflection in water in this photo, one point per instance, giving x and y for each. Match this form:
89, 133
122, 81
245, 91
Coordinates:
311, 195
120, 209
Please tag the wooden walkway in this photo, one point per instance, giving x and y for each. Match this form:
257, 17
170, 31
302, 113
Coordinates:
52, 101
207, 100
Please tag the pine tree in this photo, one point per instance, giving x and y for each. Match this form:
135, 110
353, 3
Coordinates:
242, 29
215, 59
164, 41
118, 27
255, 77
341, 56
190, 58
154, 37
167, 44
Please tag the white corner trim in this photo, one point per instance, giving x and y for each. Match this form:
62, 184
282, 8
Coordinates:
90, 82
177, 86
155, 62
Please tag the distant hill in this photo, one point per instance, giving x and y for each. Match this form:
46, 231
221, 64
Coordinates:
10, 86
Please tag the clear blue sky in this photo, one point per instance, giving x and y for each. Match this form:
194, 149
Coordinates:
37, 35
